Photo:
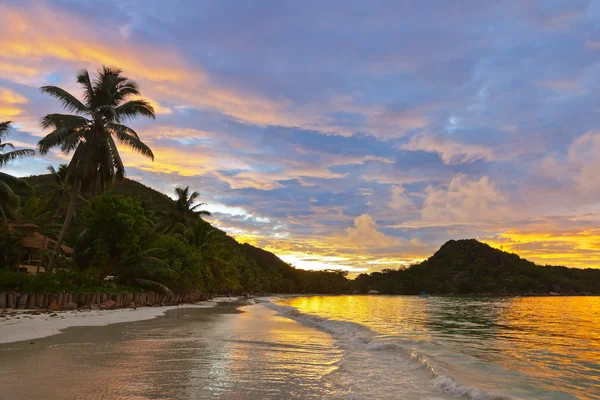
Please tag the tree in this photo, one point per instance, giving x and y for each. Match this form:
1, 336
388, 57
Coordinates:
91, 131
9, 201
115, 226
184, 211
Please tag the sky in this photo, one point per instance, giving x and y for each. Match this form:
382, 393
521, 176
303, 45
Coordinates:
355, 135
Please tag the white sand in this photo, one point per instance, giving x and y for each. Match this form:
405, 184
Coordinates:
28, 327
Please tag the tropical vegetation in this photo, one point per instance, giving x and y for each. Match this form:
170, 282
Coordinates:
9, 202
89, 133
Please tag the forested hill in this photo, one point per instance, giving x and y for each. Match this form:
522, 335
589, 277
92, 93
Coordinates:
226, 265
469, 266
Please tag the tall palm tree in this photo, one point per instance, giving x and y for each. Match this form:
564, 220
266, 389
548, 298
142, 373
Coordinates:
91, 131
9, 201
185, 212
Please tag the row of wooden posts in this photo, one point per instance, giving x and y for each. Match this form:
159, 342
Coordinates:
62, 300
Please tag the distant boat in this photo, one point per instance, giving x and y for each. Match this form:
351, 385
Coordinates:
423, 295
373, 292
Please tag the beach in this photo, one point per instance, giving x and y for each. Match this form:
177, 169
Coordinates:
219, 351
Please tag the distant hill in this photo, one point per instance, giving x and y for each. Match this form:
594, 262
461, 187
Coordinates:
469, 266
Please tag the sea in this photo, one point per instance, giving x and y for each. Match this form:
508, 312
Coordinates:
323, 347
466, 347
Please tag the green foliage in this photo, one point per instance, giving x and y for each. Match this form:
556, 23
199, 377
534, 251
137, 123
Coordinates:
115, 225
61, 281
117, 234
11, 250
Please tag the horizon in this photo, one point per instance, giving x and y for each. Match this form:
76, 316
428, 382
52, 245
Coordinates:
358, 139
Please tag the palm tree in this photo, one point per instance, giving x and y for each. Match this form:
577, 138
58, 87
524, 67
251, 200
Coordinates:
184, 212
9, 201
60, 189
91, 131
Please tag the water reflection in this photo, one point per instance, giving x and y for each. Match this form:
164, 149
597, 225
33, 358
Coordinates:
189, 354
548, 342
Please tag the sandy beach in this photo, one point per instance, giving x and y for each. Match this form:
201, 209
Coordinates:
219, 351
21, 325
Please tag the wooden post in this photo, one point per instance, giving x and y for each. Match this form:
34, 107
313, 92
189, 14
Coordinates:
23, 300
59, 299
46, 300
39, 300
30, 300
2, 299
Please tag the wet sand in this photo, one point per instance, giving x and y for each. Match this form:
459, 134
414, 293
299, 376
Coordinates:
215, 353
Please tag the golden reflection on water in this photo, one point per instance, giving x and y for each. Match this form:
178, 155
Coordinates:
555, 341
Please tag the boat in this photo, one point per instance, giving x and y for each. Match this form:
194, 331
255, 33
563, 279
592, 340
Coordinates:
423, 295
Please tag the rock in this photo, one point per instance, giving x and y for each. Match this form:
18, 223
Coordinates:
54, 315
70, 305
94, 306
132, 305
31, 342
84, 307
36, 313
53, 306
107, 305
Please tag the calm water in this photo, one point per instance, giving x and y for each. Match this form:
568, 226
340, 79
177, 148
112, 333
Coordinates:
483, 348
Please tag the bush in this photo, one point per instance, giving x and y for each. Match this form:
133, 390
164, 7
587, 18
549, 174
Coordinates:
61, 281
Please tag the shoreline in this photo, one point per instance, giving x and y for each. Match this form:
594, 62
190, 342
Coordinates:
21, 325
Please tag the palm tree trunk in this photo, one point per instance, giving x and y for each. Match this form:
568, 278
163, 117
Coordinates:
66, 224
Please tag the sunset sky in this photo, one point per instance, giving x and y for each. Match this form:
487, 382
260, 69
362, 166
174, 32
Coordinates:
353, 135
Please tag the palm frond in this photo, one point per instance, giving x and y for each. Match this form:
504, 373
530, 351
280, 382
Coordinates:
67, 100
5, 145
13, 181
117, 163
83, 78
4, 127
152, 285
57, 121
7, 195
14, 155
57, 138
135, 108
132, 142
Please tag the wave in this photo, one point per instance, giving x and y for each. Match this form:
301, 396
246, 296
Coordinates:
354, 336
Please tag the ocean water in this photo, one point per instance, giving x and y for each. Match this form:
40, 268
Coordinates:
405, 347
329, 347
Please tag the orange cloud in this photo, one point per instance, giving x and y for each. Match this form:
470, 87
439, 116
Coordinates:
9, 104
574, 248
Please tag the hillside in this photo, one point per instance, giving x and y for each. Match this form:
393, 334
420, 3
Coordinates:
469, 266
237, 267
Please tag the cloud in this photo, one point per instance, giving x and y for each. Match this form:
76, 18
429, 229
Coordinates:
400, 201
450, 151
10, 103
465, 201
584, 156
364, 233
